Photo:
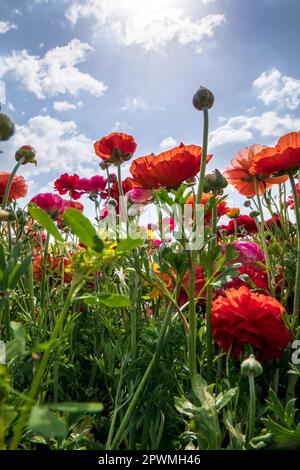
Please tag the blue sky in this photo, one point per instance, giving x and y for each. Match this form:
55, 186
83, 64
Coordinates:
75, 70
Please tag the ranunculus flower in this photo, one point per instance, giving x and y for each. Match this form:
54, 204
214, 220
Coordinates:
168, 169
222, 207
140, 196
73, 205
95, 184
54, 267
18, 188
239, 176
243, 221
243, 317
50, 203
115, 147
249, 253
280, 159
68, 184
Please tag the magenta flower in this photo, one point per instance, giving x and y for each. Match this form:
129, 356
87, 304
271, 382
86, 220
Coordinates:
249, 253
140, 195
95, 184
50, 203
68, 184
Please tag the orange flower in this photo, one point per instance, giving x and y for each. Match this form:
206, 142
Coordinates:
168, 169
53, 268
245, 317
233, 212
222, 207
115, 147
238, 173
18, 189
279, 159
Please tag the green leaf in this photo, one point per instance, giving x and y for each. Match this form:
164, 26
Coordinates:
76, 407
202, 392
45, 221
128, 244
42, 421
109, 300
222, 400
83, 229
16, 346
17, 272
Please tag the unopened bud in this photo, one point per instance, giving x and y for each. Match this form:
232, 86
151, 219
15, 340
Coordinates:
28, 153
251, 367
254, 214
214, 182
247, 203
203, 99
5, 215
7, 127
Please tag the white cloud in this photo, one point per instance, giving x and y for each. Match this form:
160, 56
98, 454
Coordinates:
167, 143
150, 24
63, 106
6, 26
59, 145
273, 87
55, 73
246, 128
121, 126
134, 103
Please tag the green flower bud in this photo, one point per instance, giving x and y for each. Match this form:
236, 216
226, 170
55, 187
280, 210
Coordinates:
28, 153
251, 367
253, 214
6, 215
7, 127
247, 203
203, 99
214, 182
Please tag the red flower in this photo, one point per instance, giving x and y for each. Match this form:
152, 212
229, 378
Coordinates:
115, 147
168, 169
239, 176
222, 207
279, 159
68, 184
18, 188
95, 184
73, 205
243, 317
243, 221
290, 201
50, 203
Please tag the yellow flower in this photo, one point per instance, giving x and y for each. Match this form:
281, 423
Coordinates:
233, 213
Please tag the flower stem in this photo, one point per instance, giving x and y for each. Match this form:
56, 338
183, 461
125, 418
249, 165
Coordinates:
118, 437
297, 279
9, 184
271, 281
35, 385
252, 407
203, 156
44, 268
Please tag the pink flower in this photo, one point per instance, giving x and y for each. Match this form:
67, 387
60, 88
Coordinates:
50, 203
140, 195
249, 253
95, 184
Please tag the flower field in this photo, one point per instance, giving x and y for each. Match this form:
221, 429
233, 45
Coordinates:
179, 331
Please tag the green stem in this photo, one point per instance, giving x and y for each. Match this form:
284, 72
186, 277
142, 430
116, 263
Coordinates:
271, 281
30, 283
34, 389
9, 184
122, 209
297, 278
192, 351
203, 156
252, 407
44, 268
118, 437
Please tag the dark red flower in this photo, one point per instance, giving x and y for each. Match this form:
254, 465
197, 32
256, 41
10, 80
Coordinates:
244, 317
68, 184
243, 221
115, 147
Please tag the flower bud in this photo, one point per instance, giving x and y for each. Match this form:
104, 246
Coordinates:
203, 99
28, 153
191, 182
247, 203
7, 127
251, 367
214, 182
5, 215
112, 202
253, 214
104, 165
